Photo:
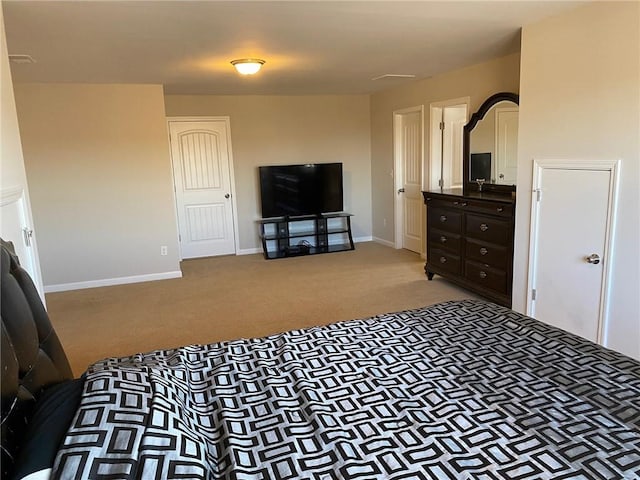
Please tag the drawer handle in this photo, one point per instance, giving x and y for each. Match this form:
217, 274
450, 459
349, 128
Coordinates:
443, 239
483, 251
456, 203
499, 209
443, 218
483, 274
484, 227
464, 204
443, 259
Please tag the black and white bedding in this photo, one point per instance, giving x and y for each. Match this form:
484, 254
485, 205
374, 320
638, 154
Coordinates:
463, 390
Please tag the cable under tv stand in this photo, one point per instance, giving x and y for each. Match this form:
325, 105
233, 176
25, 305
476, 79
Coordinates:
293, 236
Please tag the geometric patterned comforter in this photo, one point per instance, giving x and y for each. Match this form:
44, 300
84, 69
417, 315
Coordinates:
466, 390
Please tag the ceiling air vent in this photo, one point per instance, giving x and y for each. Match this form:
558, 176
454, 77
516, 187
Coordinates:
21, 59
394, 75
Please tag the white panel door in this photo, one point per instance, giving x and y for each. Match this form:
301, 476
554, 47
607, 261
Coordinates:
410, 150
506, 146
15, 227
571, 224
453, 119
200, 153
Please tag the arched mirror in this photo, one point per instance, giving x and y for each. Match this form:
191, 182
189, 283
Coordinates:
490, 145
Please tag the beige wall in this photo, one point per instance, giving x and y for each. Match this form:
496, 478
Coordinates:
268, 130
580, 99
477, 82
12, 171
97, 160
12, 164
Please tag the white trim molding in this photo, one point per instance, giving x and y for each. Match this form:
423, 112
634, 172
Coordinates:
108, 282
249, 251
362, 239
384, 242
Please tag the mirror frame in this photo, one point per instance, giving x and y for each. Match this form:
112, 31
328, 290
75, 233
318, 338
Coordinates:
468, 185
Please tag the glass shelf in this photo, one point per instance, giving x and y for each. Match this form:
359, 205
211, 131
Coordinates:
291, 237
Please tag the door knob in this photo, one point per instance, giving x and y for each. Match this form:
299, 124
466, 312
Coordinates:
594, 259
400, 190
227, 195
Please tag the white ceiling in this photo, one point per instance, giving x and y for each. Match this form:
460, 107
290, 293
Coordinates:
310, 47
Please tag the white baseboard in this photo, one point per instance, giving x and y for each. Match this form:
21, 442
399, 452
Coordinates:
107, 282
362, 239
393, 245
249, 251
384, 242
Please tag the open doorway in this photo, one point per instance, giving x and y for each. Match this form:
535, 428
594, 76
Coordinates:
447, 120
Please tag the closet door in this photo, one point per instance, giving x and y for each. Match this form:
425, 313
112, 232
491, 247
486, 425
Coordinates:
15, 227
203, 183
572, 216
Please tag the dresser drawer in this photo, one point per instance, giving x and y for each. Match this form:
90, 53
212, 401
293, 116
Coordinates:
485, 276
444, 260
441, 219
448, 203
488, 229
486, 253
442, 239
491, 208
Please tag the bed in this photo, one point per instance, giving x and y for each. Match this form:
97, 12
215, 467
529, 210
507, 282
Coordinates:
467, 390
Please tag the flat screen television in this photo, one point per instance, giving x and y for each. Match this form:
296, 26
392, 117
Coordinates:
481, 166
297, 190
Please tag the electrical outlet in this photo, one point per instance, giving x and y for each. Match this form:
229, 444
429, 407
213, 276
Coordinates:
163, 250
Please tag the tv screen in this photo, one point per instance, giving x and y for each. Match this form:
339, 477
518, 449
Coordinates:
481, 166
296, 190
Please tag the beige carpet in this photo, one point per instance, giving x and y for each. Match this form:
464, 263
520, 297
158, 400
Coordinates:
224, 298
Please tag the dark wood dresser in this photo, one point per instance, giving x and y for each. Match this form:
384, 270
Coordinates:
470, 240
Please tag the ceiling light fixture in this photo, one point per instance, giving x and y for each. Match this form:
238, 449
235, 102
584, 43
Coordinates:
248, 66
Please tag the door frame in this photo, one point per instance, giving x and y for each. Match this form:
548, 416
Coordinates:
611, 166
398, 175
232, 187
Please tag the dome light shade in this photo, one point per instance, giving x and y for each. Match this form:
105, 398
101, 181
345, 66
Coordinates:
248, 66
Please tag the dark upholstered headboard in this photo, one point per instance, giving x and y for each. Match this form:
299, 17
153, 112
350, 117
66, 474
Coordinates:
32, 356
